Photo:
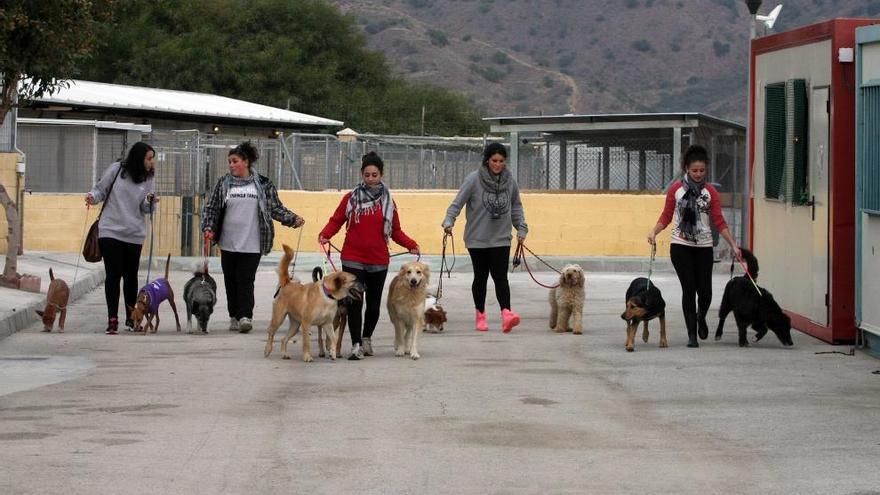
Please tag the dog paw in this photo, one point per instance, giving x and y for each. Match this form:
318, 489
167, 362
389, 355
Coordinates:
663, 343
322, 354
285, 355
307, 358
398, 352
267, 351
415, 357
629, 348
744, 343
578, 331
717, 337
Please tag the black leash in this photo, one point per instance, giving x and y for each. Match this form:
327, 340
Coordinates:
446, 236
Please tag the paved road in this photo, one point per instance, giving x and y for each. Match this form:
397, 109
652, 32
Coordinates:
529, 412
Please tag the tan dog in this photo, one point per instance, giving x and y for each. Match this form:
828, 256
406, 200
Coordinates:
148, 300
306, 305
406, 307
567, 301
56, 300
340, 320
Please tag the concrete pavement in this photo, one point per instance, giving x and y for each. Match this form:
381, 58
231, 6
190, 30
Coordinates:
528, 412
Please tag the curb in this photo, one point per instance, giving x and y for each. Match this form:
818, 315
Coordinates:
24, 316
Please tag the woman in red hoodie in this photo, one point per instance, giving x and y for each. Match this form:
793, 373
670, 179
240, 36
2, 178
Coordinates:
370, 216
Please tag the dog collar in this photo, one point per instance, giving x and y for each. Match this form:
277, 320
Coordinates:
326, 292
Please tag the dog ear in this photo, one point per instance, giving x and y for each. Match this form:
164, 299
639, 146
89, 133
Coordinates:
427, 271
403, 269
580, 278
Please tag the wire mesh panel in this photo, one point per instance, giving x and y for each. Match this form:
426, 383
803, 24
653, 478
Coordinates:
60, 158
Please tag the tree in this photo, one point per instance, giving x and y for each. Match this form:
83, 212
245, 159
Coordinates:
304, 53
41, 45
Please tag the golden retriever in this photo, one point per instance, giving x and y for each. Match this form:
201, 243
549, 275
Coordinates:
406, 307
567, 301
306, 305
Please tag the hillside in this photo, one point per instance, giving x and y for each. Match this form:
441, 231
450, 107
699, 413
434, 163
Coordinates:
582, 56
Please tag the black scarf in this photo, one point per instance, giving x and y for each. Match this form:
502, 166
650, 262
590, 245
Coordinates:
688, 210
496, 195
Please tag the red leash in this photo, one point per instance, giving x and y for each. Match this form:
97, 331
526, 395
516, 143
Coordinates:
519, 255
326, 253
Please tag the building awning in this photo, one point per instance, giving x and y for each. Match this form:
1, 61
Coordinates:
570, 122
84, 95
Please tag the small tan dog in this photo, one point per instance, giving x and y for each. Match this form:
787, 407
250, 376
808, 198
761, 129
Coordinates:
306, 305
567, 301
56, 301
406, 307
148, 300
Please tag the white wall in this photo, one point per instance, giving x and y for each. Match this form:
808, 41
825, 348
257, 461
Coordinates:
783, 234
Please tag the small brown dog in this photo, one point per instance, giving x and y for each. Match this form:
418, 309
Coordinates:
435, 315
567, 301
644, 302
56, 300
148, 300
306, 305
406, 307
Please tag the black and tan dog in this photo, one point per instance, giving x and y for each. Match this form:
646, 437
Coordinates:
200, 296
340, 320
56, 302
306, 305
760, 311
644, 302
148, 300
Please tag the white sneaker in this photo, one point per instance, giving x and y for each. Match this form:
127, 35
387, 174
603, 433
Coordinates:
368, 347
245, 325
233, 325
357, 353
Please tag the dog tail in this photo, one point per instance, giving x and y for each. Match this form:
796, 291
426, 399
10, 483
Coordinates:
283, 276
751, 262
317, 274
167, 264
51, 275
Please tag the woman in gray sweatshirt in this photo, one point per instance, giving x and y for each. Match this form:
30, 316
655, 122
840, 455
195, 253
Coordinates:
493, 207
122, 228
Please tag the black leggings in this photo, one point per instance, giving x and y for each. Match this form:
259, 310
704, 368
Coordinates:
373, 283
239, 272
490, 261
693, 265
121, 261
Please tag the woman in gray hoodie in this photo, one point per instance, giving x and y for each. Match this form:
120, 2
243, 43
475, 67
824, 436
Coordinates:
493, 207
122, 228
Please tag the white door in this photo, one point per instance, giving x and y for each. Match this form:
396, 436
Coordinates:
818, 165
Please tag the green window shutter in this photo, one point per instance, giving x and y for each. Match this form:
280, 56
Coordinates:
797, 135
774, 140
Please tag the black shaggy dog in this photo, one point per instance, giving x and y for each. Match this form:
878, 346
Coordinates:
644, 302
200, 296
762, 312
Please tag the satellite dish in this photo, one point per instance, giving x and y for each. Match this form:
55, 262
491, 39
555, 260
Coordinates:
770, 20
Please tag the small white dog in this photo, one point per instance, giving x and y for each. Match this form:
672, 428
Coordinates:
567, 301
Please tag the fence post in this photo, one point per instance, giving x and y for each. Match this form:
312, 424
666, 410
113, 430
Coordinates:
643, 168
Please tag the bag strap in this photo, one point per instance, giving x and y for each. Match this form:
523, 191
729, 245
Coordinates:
107, 198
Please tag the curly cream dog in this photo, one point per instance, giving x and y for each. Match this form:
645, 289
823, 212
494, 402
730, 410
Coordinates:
406, 307
567, 301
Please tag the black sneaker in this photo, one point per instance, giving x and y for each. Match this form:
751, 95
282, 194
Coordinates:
129, 326
357, 353
112, 326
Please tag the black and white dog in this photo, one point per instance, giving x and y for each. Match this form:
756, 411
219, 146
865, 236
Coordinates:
200, 296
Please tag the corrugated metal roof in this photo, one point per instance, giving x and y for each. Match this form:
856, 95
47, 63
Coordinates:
100, 124
136, 98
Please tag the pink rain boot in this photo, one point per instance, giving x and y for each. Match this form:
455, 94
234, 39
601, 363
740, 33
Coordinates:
509, 319
481, 322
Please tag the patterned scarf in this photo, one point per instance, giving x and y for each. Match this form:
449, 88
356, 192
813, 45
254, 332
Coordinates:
366, 199
688, 210
496, 197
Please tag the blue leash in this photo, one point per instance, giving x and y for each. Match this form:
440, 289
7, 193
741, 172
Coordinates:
152, 236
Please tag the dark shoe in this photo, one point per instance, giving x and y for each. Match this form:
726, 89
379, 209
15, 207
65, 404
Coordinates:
357, 353
702, 327
112, 326
367, 346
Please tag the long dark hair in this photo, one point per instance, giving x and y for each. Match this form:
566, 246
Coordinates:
133, 164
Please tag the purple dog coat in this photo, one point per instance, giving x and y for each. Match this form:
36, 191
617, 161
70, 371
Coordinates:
158, 291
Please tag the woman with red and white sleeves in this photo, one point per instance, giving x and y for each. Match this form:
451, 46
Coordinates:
370, 216
691, 203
